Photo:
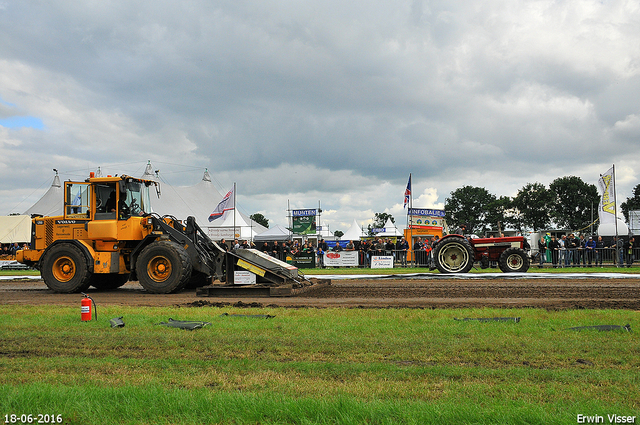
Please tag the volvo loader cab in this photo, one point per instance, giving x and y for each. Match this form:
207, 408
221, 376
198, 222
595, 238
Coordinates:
107, 234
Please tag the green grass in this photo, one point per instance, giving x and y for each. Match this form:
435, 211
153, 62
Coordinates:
317, 366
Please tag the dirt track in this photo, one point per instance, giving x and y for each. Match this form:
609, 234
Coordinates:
549, 293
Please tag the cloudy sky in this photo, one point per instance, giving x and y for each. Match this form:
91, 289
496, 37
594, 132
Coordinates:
334, 102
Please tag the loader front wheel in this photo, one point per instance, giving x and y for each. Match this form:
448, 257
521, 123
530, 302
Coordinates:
163, 267
64, 269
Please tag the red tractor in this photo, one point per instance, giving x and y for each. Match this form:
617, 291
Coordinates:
456, 254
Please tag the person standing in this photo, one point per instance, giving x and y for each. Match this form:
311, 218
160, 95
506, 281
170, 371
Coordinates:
542, 251
403, 247
547, 239
417, 251
577, 251
554, 248
620, 251
563, 250
599, 251
629, 249
589, 248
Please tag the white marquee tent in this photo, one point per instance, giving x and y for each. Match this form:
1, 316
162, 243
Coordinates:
199, 201
51, 202
15, 228
390, 230
354, 233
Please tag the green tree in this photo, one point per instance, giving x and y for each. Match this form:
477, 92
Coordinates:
260, 219
338, 234
469, 205
631, 204
533, 204
379, 220
499, 213
572, 202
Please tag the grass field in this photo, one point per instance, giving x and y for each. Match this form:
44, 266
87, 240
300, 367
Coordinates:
304, 366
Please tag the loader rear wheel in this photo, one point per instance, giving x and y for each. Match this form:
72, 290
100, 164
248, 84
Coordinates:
453, 255
108, 282
163, 267
513, 260
64, 269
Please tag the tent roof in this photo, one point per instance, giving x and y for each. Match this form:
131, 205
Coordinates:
390, 230
51, 202
354, 233
275, 233
197, 201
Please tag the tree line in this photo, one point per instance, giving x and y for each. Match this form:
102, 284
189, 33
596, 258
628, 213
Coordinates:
568, 203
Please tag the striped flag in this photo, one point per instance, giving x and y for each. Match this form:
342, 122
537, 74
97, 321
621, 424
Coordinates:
225, 205
407, 192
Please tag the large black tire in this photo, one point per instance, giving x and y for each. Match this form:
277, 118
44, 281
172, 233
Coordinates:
64, 269
108, 282
453, 254
163, 267
514, 260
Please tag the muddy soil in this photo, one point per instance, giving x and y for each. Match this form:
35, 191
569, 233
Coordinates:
549, 293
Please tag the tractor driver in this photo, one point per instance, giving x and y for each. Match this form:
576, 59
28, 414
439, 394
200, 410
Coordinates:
461, 230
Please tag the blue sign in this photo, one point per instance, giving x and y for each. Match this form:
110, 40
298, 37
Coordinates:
426, 212
304, 213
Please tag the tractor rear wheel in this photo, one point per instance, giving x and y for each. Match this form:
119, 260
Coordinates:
513, 260
64, 269
108, 282
163, 267
453, 255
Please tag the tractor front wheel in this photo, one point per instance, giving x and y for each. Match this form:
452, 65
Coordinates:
453, 255
514, 260
163, 267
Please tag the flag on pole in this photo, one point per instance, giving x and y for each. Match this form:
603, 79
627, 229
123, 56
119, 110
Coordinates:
225, 205
407, 192
607, 207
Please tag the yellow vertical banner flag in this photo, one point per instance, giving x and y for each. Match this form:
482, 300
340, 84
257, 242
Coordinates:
607, 208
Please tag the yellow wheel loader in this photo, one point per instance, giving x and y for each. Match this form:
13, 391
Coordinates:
108, 235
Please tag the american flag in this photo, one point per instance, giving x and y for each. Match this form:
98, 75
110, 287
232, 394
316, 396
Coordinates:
407, 192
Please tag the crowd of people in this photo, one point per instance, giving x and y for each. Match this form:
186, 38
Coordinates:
8, 251
580, 250
366, 249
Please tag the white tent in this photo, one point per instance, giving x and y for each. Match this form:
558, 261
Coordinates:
51, 202
15, 228
354, 233
235, 226
199, 201
275, 233
609, 229
390, 230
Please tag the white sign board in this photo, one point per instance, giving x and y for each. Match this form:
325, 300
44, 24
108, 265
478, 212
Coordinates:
382, 262
242, 277
217, 233
341, 259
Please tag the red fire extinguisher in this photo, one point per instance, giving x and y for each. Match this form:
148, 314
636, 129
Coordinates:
85, 308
